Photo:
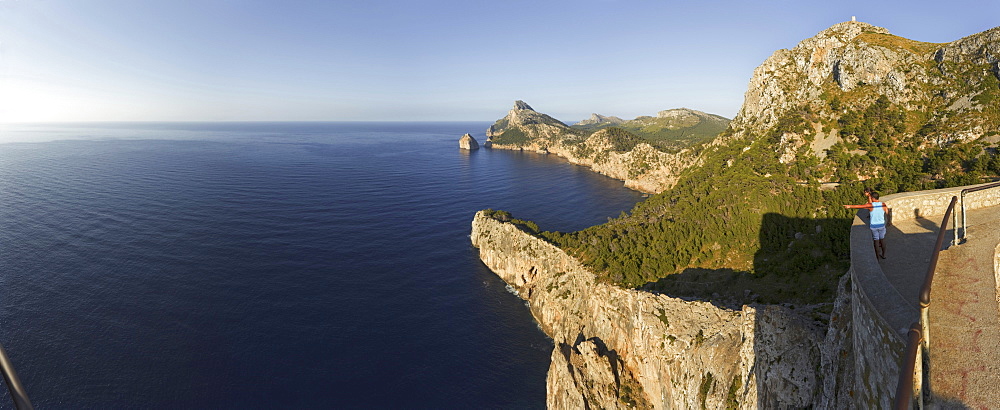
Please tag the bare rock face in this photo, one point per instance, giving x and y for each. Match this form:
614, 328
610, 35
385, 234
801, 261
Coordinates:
617, 348
643, 168
596, 119
863, 62
790, 76
682, 115
522, 119
467, 142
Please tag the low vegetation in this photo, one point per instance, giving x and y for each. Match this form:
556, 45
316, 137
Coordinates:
891, 41
760, 218
511, 136
745, 226
621, 140
667, 134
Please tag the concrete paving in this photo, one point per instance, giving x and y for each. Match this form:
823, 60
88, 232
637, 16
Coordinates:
964, 314
909, 244
965, 319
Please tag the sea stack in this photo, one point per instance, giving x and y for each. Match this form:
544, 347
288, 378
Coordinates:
467, 142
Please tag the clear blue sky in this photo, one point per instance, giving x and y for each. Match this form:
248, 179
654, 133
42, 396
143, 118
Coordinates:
370, 60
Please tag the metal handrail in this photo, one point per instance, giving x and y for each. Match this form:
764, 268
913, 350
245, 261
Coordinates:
925, 291
904, 394
904, 389
14, 386
966, 191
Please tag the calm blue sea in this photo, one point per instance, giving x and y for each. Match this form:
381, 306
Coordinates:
272, 265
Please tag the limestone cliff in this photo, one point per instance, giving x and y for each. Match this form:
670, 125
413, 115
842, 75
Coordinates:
948, 90
467, 142
896, 113
821, 102
617, 348
642, 166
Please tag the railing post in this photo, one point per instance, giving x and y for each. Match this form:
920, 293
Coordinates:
910, 374
925, 350
918, 376
925, 328
965, 228
954, 225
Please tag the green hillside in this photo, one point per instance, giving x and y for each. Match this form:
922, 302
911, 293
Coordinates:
746, 222
670, 132
750, 221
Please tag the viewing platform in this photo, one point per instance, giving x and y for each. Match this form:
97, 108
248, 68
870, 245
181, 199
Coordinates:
963, 314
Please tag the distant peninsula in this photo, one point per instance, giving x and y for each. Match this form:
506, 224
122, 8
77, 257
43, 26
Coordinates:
648, 153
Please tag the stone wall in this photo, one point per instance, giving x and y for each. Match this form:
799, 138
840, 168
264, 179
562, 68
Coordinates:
909, 205
878, 345
881, 316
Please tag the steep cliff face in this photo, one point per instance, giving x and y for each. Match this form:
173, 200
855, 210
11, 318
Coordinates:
849, 65
523, 124
617, 347
854, 103
826, 104
468, 142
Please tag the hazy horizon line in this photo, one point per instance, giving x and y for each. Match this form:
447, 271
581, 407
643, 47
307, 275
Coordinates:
222, 121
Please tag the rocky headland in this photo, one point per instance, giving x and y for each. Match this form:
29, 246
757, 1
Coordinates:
637, 162
618, 347
948, 91
853, 103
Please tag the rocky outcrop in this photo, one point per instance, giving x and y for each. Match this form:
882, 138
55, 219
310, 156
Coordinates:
617, 348
597, 119
850, 64
789, 77
642, 167
467, 142
522, 119
684, 117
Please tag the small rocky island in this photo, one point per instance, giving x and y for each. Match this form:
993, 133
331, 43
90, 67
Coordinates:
467, 142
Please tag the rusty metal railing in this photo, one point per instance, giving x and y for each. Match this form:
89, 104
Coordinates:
958, 239
17, 392
909, 372
918, 347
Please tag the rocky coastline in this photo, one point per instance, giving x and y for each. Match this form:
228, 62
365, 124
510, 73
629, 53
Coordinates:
642, 167
616, 348
661, 174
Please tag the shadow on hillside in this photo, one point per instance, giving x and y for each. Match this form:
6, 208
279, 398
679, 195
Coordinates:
798, 261
798, 264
